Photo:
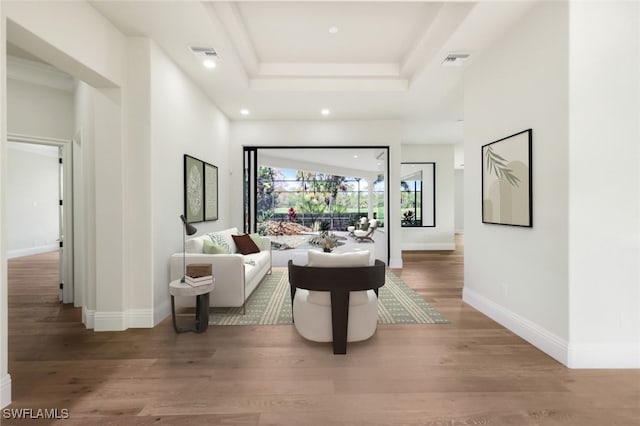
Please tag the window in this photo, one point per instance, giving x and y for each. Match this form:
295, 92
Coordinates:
417, 195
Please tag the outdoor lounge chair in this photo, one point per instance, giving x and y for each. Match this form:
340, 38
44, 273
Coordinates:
366, 235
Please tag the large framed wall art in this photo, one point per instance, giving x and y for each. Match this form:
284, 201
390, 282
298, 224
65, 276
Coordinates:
507, 180
210, 192
193, 189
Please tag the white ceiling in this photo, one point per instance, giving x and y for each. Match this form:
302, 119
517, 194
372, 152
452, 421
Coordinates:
279, 60
357, 162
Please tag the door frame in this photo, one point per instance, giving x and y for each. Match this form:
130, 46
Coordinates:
66, 148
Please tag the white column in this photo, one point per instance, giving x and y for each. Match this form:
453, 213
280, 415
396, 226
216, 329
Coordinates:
5, 378
109, 209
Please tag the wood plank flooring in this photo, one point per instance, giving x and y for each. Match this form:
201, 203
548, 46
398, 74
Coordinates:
469, 372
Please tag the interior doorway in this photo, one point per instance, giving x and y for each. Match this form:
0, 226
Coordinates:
40, 205
317, 189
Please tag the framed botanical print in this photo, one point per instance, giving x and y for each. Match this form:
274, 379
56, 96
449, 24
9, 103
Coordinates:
193, 189
506, 181
210, 192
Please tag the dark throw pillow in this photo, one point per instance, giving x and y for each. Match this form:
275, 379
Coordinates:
245, 244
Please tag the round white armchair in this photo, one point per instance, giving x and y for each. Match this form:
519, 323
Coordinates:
336, 304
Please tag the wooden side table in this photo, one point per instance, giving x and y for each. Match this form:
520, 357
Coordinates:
177, 288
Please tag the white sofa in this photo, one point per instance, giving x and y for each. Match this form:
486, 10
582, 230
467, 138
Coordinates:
236, 275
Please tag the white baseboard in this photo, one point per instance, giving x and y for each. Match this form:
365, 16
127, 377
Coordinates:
547, 342
427, 246
5, 391
139, 318
109, 321
88, 316
118, 321
32, 250
604, 355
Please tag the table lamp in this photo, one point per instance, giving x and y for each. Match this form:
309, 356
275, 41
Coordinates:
189, 229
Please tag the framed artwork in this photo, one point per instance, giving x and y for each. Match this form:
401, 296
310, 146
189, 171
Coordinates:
210, 192
506, 180
193, 189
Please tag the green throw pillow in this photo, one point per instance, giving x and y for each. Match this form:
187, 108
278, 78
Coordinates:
256, 239
209, 247
219, 240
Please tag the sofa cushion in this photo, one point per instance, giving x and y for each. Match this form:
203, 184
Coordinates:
225, 240
195, 244
256, 239
338, 260
209, 247
245, 244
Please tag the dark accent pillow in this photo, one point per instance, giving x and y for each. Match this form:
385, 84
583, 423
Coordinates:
245, 244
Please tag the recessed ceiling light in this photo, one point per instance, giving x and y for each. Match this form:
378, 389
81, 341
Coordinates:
245, 111
333, 30
355, 156
209, 63
378, 164
325, 111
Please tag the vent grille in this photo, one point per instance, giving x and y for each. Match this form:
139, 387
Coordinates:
455, 59
208, 52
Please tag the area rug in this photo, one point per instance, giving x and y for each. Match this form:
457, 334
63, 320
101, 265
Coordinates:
270, 304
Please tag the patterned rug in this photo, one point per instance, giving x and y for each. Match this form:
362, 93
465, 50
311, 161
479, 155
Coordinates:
270, 304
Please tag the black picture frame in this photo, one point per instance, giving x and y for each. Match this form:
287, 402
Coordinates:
507, 180
193, 189
210, 192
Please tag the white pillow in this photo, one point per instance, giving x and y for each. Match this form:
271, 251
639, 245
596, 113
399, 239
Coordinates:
338, 260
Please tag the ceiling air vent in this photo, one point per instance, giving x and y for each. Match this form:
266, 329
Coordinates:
454, 59
208, 52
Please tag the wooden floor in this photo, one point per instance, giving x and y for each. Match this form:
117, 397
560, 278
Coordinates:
469, 372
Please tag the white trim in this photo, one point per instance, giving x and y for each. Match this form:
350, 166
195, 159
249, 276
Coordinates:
428, 246
139, 318
31, 251
604, 355
543, 339
5, 391
109, 321
38, 73
459, 231
88, 317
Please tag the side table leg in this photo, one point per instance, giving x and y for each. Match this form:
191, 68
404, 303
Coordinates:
173, 316
202, 313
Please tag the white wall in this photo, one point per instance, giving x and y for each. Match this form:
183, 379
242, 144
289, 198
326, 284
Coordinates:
183, 121
459, 201
138, 259
520, 276
322, 133
74, 38
604, 211
41, 111
37, 110
32, 199
440, 237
